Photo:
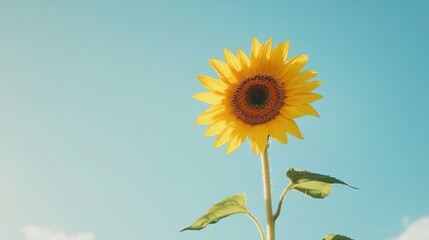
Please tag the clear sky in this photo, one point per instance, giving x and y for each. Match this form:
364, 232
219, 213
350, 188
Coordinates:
97, 139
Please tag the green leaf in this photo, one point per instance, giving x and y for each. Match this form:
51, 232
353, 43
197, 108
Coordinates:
312, 184
228, 206
314, 189
336, 237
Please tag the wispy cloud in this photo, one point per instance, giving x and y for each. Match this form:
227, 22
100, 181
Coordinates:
405, 220
417, 230
37, 233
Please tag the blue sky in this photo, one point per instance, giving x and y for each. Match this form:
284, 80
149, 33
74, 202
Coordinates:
96, 118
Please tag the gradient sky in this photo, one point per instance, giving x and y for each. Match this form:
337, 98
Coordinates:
96, 118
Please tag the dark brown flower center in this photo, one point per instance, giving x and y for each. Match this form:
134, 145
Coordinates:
258, 99
257, 96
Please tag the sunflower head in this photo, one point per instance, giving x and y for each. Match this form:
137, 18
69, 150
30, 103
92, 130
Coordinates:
257, 97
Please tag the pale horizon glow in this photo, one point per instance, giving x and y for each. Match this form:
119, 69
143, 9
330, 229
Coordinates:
33, 232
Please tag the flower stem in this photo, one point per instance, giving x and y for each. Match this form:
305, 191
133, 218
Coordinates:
267, 194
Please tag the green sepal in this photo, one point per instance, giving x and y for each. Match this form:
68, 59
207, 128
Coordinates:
336, 237
312, 184
231, 205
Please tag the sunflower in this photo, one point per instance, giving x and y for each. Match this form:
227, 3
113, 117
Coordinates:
257, 97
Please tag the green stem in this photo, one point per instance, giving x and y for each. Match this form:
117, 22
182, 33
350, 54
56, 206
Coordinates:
261, 231
279, 207
267, 194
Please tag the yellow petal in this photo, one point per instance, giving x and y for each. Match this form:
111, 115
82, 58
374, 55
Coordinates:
236, 141
208, 97
258, 136
302, 98
301, 88
225, 135
221, 68
244, 62
266, 50
277, 131
253, 145
212, 84
265, 56
290, 111
262, 137
292, 67
215, 128
283, 48
278, 56
300, 77
292, 128
309, 110
256, 46
208, 115
232, 60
